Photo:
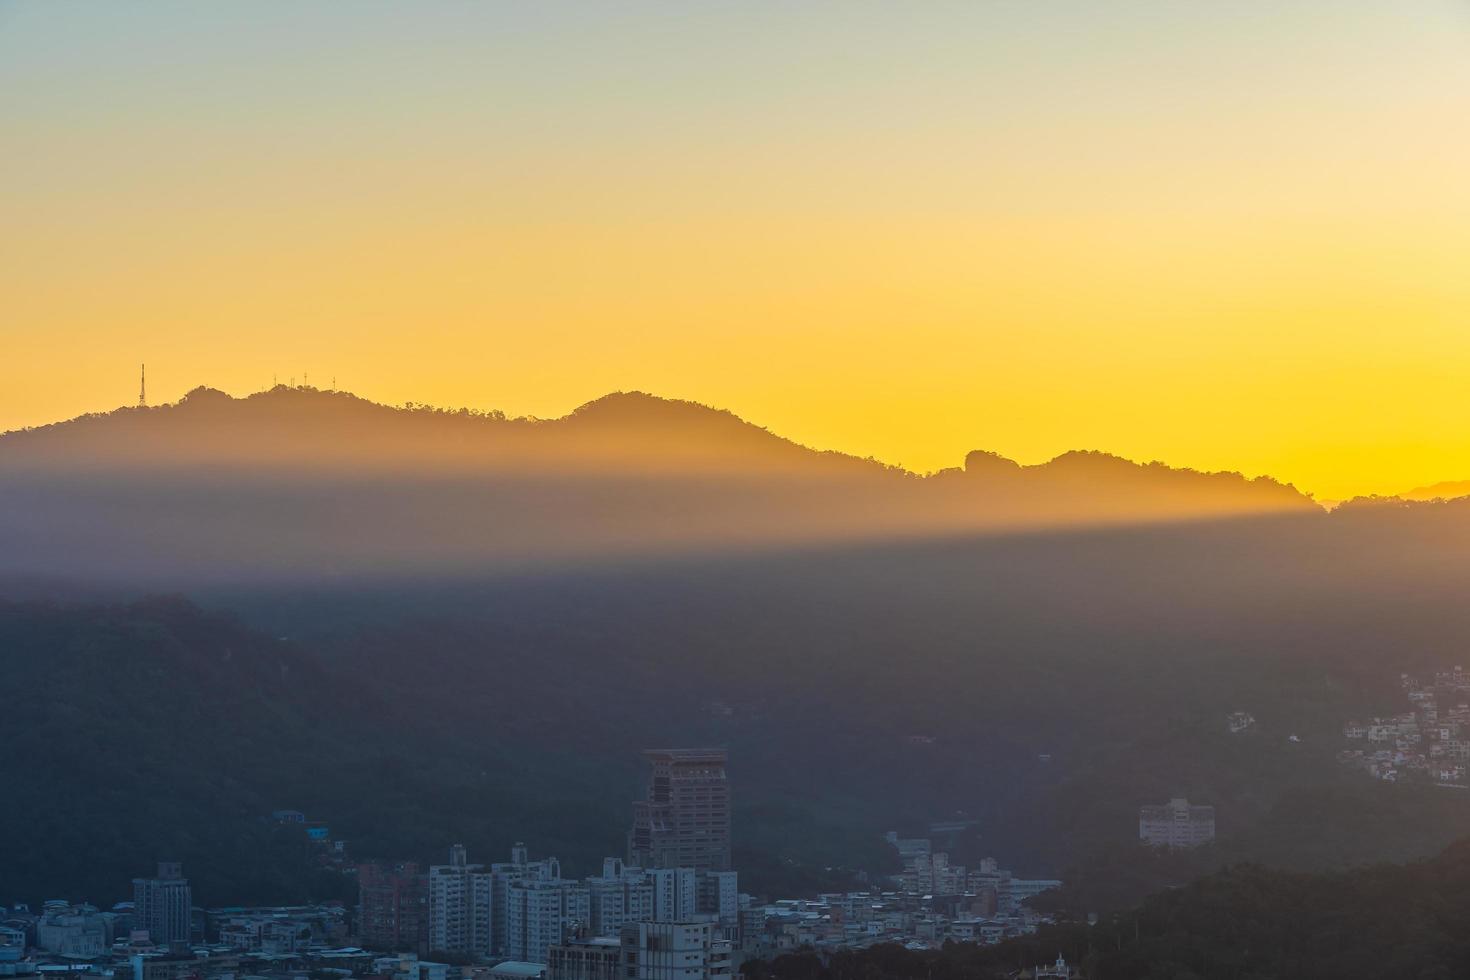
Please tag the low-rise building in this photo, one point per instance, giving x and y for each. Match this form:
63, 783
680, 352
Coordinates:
675, 951
589, 958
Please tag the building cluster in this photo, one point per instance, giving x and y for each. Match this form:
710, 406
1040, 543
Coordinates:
674, 889
1239, 722
852, 920
329, 851
929, 872
1430, 741
932, 902
1176, 824
161, 935
520, 909
669, 909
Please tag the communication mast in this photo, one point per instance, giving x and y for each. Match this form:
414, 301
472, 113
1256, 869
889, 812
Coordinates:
142, 386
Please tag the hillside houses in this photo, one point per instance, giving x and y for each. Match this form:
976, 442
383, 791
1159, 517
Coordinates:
1431, 740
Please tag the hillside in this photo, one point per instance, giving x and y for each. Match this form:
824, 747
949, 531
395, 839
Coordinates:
1054, 682
134, 732
1384, 923
156, 729
306, 483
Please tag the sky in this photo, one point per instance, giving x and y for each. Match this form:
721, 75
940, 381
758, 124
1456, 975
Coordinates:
1223, 235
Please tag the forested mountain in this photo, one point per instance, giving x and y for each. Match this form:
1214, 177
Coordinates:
155, 729
307, 483
1046, 685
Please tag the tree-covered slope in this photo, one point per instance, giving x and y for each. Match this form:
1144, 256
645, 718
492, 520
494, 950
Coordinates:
1246, 922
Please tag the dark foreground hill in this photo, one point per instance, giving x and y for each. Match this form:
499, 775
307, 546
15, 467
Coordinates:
307, 484
136, 732
155, 729
1243, 923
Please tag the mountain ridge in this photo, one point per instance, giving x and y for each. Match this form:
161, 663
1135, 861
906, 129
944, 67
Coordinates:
607, 412
303, 481
1443, 490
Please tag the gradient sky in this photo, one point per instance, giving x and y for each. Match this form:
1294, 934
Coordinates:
1225, 235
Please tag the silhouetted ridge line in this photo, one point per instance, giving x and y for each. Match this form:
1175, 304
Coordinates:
309, 481
622, 410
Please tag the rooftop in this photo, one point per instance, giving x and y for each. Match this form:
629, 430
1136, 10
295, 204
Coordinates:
688, 755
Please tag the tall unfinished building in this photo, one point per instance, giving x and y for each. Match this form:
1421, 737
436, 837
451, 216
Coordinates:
684, 821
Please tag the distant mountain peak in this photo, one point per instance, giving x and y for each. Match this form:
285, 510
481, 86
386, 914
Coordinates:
642, 406
1094, 458
1444, 490
205, 395
987, 463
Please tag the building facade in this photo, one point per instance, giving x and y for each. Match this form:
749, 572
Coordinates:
164, 905
540, 914
460, 906
719, 897
78, 931
593, 958
675, 951
622, 895
1176, 824
393, 907
503, 875
684, 819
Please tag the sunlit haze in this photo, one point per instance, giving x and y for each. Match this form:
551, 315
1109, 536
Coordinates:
1226, 236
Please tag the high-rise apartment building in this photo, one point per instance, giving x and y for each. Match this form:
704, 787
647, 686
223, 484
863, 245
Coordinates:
626, 895
684, 819
675, 894
164, 905
1176, 824
503, 874
460, 906
620, 896
675, 951
541, 914
719, 896
393, 907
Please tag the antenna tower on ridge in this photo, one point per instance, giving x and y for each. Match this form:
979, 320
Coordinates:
142, 386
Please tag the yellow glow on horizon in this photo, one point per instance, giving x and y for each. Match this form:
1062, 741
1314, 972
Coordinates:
1221, 240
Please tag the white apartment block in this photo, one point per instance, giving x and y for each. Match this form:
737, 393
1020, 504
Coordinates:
622, 895
675, 894
541, 914
519, 868
1176, 824
675, 951
460, 906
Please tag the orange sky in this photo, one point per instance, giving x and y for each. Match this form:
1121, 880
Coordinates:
1227, 236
